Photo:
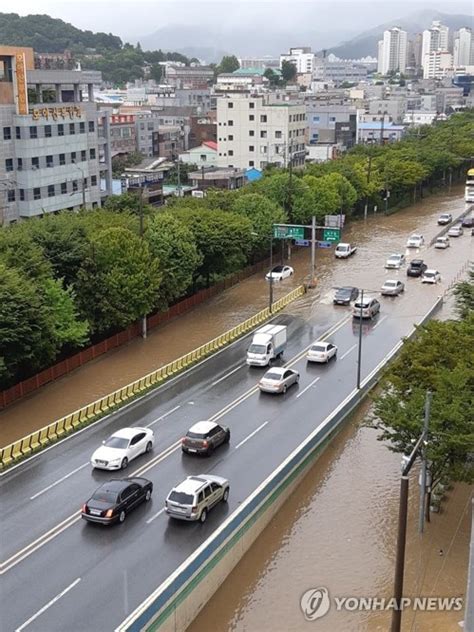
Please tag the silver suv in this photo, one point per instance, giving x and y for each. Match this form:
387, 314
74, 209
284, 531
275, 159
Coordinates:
194, 497
367, 309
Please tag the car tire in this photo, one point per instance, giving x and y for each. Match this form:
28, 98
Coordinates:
210, 450
203, 516
335, 356
225, 497
227, 437
122, 516
124, 464
148, 448
284, 389
297, 379
148, 495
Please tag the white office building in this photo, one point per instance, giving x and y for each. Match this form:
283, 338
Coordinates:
392, 51
437, 64
256, 130
302, 58
463, 53
434, 39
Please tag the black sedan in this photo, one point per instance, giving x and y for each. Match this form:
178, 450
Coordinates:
468, 222
112, 501
416, 268
344, 295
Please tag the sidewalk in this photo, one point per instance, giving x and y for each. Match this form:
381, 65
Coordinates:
139, 357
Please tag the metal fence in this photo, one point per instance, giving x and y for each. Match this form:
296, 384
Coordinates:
43, 437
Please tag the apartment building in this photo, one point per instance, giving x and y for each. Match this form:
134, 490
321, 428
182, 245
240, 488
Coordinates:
393, 108
257, 130
332, 124
302, 58
437, 64
463, 53
122, 134
191, 77
339, 71
55, 145
392, 51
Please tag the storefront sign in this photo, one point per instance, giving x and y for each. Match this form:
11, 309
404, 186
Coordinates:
67, 111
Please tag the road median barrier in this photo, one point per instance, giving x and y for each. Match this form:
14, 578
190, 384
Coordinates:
44, 437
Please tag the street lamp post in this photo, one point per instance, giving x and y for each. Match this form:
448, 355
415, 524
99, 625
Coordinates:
270, 298
359, 350
83, 188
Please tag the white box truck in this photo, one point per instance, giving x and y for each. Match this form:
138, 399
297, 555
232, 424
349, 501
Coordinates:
268, 343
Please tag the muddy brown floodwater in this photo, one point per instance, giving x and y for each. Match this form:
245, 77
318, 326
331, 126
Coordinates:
377, 236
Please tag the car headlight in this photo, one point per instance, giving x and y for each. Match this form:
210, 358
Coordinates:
114, 461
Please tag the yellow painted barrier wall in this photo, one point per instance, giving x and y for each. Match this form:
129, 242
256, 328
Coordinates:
40, 438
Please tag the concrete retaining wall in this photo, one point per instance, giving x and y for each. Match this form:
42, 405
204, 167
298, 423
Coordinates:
174, 604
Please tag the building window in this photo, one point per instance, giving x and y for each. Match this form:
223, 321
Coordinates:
74, 186
73, 156
84, 184
251, 148
231, 152
251, 132
18, 133
83, 155
332, 119
37, 194
82, 128
263, 134
22, 195
252, 105
11, 195
92, 154
72, 128
35, 163
63, 188
230, 123
277, 134
251, 117
60, 129
230, 105
9, 164
33, 131
263, 118
93, 181
7, 133
49, 161
315, 119
62, 159
251, 163
47, 131
230, 137
51, 190
19, 165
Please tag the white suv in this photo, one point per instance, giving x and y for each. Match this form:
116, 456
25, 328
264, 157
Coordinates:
192, 499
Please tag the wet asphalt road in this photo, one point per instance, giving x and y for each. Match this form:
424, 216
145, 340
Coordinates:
99, 575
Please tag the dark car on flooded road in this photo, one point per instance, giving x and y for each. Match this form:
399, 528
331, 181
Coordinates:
344, 295
112, 501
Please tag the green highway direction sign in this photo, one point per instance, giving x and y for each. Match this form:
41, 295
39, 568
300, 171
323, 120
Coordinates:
288, 232
331, 234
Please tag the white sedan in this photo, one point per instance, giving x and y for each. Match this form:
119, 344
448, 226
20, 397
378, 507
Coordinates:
456, 231
415, 241
431, 276
279, 273
442, 243
321, 352
123, 446
395, 261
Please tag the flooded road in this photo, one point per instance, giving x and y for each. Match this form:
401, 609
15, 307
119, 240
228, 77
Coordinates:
377, 236
338, 531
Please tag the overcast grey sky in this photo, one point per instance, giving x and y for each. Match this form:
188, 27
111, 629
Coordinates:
137, 18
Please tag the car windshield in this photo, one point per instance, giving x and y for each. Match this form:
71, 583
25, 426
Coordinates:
394, 258
416, 264
257, 349
344, 291
318, 348
272, 376
105, 496
195, 435
390, 284
430, 274
278, 269
116, 442
181, 498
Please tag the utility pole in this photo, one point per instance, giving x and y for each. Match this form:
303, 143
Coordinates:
313, 250
359, 350
421, 521
290, 182
141, 230
270, 298
179, 179
369, 168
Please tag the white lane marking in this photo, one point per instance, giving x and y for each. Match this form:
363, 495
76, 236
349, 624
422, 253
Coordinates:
227, 375
60, 480
49, 604
155, 516
380, 322
347, 352
250, 435
163, 416
309, 386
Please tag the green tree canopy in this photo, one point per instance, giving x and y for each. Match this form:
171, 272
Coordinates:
262, 213
288, 71
229, 63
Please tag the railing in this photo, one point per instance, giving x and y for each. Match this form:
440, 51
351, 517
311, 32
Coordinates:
54, 431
